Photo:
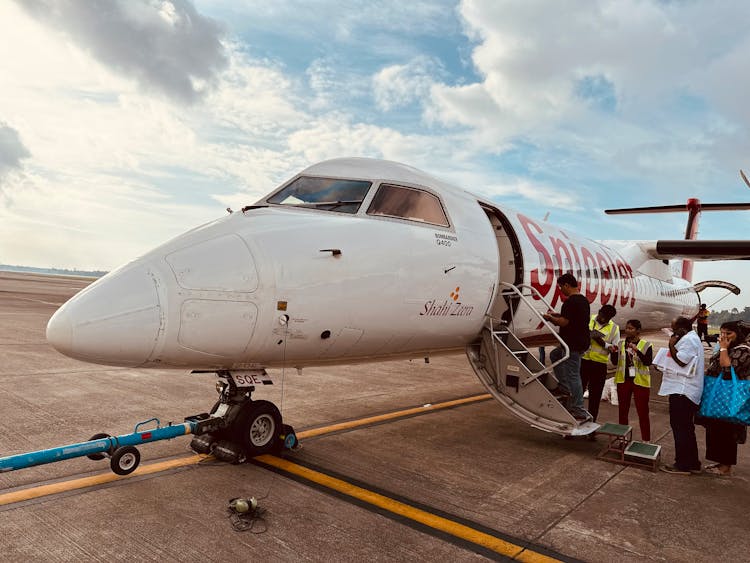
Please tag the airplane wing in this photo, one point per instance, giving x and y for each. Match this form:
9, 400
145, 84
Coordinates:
675, 208
702, 250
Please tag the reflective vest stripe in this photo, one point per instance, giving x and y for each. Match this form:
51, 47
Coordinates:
642, 373
596, 353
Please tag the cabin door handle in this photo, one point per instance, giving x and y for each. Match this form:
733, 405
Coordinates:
334, 251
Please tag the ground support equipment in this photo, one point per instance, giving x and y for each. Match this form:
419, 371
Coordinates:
621, 448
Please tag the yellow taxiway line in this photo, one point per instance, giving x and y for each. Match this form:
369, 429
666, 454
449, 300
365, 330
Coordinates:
398, 508
442, 524
390, 416
147, 469
83, 482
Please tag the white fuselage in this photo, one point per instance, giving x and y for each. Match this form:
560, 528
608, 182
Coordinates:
293, 285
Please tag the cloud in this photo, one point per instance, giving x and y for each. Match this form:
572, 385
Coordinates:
12, 150
400, 85
164, 45
654, 91
354, 21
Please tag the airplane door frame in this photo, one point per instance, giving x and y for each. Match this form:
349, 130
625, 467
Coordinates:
507, 246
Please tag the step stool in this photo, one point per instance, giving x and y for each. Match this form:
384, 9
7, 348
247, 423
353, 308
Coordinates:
622, 449
641, 453
618, 437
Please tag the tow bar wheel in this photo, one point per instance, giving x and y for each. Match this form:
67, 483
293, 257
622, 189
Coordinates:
125, 460
97, 457
257, 427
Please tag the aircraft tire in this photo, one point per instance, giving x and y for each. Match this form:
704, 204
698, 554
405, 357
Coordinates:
125, 460
257, 427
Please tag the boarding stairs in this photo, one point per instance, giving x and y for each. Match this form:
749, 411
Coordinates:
513, 374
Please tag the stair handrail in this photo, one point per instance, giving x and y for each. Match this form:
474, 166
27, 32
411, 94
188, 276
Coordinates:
517, 290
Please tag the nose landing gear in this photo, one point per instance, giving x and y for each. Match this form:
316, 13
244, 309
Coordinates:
238, 427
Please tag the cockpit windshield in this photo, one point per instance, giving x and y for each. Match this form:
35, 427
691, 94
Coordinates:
329, 194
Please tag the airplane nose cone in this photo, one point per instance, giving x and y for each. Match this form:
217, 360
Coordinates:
60, 331
114, 321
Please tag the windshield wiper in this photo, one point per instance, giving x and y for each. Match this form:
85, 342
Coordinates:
332, 204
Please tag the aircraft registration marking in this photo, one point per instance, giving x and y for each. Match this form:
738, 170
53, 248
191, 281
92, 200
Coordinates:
250, 379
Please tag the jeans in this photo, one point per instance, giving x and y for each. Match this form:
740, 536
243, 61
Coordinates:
568, 375
681, 418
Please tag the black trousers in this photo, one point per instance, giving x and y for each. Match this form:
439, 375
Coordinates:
681, 418
702, 331
721, 441
593, 376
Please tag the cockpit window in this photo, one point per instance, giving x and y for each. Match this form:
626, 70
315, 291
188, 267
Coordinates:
329, 194
408, 203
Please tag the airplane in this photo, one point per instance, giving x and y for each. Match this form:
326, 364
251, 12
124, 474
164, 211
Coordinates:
357, 260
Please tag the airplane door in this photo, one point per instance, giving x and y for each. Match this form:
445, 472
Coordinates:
510, 260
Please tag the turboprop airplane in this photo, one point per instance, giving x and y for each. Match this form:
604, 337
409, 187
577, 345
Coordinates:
359, 260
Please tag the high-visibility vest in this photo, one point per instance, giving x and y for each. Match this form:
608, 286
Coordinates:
596, 353
703, 316
642, 374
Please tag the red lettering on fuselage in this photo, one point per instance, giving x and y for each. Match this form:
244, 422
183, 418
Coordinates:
604, 276
591, 287
549, 277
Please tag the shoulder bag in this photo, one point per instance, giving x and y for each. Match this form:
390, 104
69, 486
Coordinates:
726, 399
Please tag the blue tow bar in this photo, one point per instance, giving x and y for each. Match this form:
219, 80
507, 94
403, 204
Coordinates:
124, 457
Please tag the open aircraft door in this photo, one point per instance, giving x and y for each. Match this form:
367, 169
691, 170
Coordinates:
508, 369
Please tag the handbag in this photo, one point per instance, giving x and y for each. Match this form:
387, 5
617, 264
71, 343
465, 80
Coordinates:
726, 399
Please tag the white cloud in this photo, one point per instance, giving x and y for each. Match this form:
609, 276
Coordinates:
654, 89
354, 21
581, 94
400, 85
12, 151
164, 45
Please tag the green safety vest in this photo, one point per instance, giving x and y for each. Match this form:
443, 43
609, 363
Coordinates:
642, 373
596, 353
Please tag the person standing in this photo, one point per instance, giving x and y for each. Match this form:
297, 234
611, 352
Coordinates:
682, 382
605, 335
573, 321
633, 379
722, 437
701, 323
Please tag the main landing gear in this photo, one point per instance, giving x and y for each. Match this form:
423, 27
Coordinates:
238, 427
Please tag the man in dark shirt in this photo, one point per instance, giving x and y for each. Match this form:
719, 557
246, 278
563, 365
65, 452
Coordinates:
573, 320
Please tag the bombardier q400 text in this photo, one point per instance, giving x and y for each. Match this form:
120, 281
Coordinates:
360, 260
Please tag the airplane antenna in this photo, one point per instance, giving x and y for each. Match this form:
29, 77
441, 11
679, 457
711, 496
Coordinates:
744, 178
546, 216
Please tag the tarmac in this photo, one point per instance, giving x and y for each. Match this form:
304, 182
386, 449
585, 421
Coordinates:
400, 461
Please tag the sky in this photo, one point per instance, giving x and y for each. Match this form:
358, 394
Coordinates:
125, 123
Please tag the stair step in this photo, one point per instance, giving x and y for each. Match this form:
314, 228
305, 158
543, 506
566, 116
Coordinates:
643, 450
615, 429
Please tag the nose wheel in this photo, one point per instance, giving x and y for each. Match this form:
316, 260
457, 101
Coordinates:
257, 427
246, 428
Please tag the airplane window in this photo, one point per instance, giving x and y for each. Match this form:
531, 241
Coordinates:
408, 203
328, 194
